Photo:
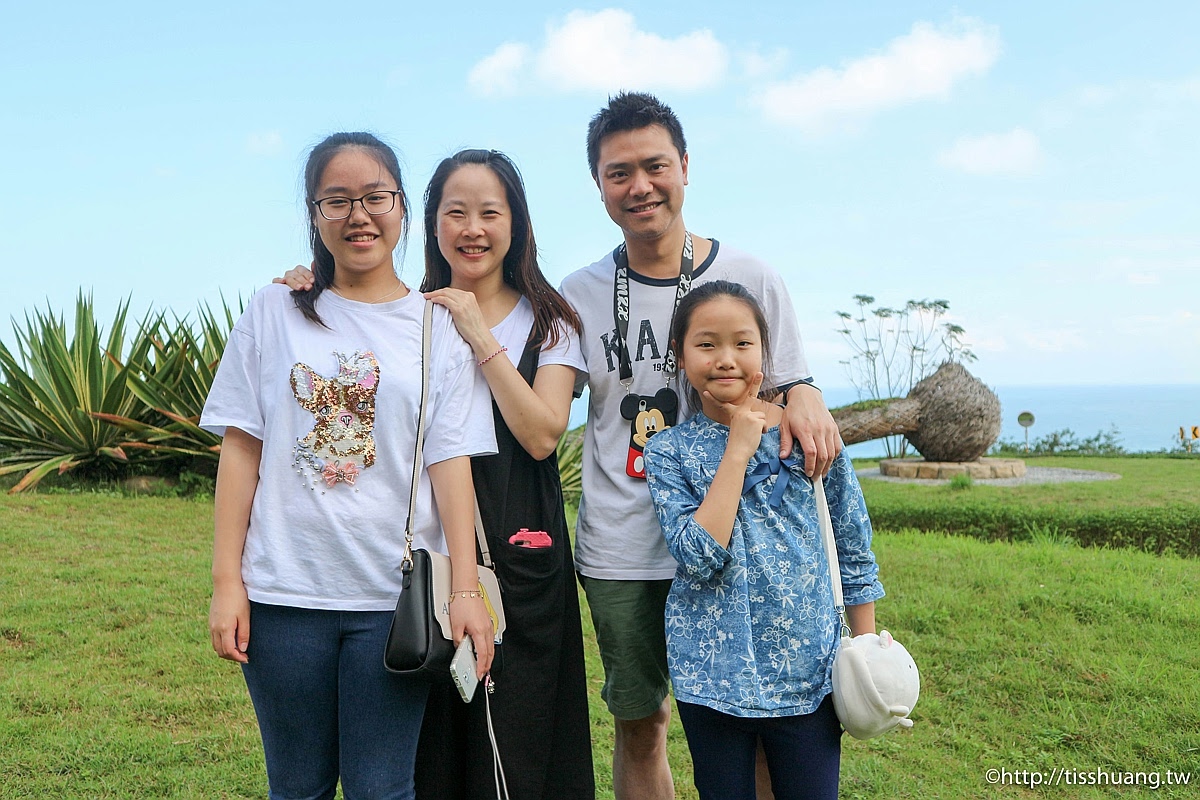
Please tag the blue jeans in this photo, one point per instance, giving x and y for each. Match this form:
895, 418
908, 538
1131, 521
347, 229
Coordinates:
327, 708
804, 752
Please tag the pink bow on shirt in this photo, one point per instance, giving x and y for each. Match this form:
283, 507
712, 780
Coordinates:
336, 472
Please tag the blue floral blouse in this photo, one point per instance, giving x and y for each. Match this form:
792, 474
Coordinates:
751, 630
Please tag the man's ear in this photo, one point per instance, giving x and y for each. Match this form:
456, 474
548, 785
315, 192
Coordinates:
684, 163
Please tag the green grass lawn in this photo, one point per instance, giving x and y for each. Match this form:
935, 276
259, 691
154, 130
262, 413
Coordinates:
1154, 506
1034, 656
1144, 483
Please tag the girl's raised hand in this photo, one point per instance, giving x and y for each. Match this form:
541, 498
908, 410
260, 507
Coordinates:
298, 279
747, 420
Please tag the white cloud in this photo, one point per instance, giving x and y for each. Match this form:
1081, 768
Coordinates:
1177, 330
1185, 89
499, 72
1014, 153
923, 64
1056, 340
605, 51
264, 143
757, 64
996, 343
1143, 279
1096, 95
1189, 89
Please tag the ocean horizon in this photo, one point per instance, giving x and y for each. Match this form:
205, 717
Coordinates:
1146, 418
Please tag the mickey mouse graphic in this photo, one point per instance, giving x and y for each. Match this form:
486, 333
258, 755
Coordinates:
647, 416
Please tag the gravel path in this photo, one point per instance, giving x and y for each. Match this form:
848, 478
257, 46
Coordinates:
1032, 475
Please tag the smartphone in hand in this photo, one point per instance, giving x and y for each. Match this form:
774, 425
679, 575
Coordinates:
463, 667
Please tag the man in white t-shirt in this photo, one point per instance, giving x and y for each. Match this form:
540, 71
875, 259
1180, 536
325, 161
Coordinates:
638, 158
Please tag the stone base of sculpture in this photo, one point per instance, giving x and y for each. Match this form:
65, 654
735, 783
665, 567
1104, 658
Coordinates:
980, 469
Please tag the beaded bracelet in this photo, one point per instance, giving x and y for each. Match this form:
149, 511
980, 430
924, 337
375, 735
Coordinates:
465, 595
493, 355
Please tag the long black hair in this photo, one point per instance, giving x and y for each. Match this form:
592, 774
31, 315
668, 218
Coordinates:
314, 168
521, 270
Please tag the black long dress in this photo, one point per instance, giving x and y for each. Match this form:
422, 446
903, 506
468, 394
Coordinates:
539, 707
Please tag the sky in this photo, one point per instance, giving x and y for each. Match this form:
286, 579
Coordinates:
1034, 164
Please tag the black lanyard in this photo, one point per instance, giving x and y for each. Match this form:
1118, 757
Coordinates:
621, 310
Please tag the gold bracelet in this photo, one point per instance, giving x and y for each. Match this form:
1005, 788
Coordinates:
493, 355
474, 593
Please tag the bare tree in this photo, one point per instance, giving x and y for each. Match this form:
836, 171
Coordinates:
894, 348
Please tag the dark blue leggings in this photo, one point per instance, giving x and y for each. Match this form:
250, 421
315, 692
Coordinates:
803, 753
326, 707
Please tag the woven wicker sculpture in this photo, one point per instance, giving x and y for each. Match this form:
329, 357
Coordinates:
949, 416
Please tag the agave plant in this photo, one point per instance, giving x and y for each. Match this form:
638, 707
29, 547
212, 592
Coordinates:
173, 382
53, 387
570, 464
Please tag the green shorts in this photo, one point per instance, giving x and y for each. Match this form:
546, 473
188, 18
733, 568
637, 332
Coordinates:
628, 617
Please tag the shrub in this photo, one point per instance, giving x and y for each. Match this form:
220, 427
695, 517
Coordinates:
174, 382
53, 387
570, 464
1065, 442
89, 404
1171, 528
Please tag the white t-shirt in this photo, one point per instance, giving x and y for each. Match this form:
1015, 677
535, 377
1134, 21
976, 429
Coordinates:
617, 534
513, 332
336, 409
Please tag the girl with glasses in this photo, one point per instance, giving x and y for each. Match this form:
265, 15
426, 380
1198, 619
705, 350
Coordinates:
316, 402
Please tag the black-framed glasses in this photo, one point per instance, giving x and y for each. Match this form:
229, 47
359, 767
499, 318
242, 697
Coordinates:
375, 203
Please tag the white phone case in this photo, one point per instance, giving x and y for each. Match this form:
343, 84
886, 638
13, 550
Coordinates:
462, 669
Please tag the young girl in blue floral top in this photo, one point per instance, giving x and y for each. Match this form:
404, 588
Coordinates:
750, 622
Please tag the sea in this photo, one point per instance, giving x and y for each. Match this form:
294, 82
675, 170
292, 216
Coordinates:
1145, 418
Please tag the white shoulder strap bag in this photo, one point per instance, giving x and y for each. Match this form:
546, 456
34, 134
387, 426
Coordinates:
875, 680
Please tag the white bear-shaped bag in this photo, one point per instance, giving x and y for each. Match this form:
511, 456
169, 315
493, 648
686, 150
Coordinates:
875, 685
875, 680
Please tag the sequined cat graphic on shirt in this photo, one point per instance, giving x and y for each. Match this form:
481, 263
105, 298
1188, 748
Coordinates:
342, 443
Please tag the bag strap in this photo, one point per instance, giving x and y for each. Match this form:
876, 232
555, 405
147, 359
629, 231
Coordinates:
481, 538
825, 523
426, 328
406, 561
497, 767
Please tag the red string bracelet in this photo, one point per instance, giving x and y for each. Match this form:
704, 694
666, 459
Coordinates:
493, 355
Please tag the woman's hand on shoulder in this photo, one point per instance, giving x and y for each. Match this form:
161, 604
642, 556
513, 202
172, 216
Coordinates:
468, 319
229, 621
298, 279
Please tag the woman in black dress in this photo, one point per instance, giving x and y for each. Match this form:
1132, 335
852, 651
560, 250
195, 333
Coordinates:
481, 263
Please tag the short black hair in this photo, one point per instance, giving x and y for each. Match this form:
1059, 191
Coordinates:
630, 111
